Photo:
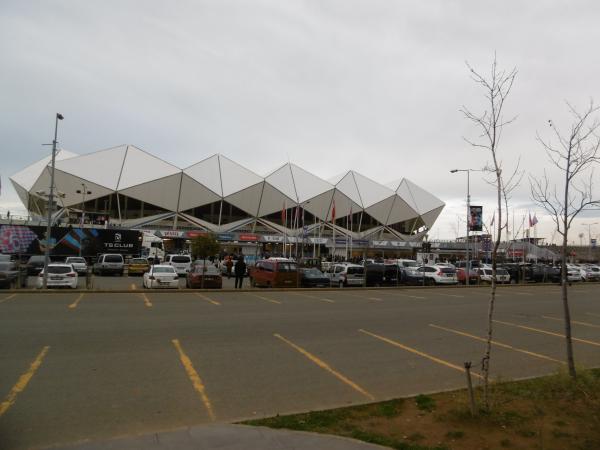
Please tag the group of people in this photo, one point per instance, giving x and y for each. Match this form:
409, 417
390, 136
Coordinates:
239, 269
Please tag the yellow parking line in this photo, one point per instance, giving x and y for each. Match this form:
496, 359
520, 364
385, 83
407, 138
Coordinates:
76, 302
194, 378
132, 287
5, 299
499, 344
147, 301
584, 341
328, 300
264, 298
585, 324
23, 381
327, 367
417, 352
363, 297
208, 299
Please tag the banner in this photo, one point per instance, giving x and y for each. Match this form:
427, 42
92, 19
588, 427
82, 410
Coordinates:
475, 218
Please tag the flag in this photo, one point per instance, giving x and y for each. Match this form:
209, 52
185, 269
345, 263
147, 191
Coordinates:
530, 223
534, 220
333, 213
493, 219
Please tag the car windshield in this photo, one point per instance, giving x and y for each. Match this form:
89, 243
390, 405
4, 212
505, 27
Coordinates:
75, 260
181, 259
447, 270
113, 259
59, 269
355, 270
287, 267
164, 269
313, 273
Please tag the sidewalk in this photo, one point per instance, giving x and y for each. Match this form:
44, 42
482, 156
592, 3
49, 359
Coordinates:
226, 437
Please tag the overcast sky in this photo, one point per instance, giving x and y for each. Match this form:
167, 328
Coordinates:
374, 86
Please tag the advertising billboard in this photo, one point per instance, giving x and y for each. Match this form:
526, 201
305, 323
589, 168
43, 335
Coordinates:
475, 218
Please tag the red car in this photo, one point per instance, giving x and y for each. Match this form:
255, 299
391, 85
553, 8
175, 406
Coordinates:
473, 278
204, 270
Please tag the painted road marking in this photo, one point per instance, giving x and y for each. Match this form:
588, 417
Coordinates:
403, 295
328, 300
263, 298
584, 341
5, 299
132, 287
450, 295
499, 344
417, 352
23, 381
593, 315
520, 293
327, 367
147, 301
585, 324
194, 378
363, 298
76, 302
208, 299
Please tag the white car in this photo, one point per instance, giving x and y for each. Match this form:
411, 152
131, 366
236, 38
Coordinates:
78, 263
438, 274
573, 273
590, 273
59, 275
181, 263
161, 276
346, 275
485, 275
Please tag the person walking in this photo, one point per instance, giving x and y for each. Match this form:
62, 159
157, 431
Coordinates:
229, 265
240, 271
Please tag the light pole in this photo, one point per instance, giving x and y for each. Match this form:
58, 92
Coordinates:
83, 191
50, 201
468, 264
589, 225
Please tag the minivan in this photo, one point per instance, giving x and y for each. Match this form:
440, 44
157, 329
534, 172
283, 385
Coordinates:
181, 263
346, 275
109, 263
274, 272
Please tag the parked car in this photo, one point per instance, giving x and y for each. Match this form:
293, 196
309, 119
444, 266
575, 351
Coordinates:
59, 275
313, 277
346, 275
138, 266
161, 276
78, 263
109, 263
274, 272
411, 277
35, 264
204, 275
12, 275
382, 274
573, 273
438, 274
309, 263
181, 263
485, 275
461, 276
590, 273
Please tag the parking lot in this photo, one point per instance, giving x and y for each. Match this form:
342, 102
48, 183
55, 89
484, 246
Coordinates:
77, 366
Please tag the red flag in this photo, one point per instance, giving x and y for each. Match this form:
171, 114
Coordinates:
333, 213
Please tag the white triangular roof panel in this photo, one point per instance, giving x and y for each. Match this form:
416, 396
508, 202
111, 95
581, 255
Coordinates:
401, 211
371, 192
162, 192
320, 205
348, 187
102, 167
247, 199
194, 194
307, 184
27, 177
141, 167
381, 211
236, 177
208, 173
281, 179
417, 197
430, 217
273, 200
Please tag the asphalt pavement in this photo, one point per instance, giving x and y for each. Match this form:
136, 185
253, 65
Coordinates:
93, 366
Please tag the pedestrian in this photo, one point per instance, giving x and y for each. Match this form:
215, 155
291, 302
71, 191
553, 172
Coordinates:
229, 266
240, 271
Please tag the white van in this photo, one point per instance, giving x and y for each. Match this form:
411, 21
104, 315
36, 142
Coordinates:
181, 263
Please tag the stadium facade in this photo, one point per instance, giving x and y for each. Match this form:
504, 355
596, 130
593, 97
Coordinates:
131, 188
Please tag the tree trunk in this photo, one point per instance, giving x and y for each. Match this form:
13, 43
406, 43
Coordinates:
565, 301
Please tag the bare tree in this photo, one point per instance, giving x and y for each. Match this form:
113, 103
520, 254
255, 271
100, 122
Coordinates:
574, 153
490, 123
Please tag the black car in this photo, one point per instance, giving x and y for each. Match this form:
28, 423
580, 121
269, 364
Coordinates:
411, 277
12, 275
35, 264
313, 277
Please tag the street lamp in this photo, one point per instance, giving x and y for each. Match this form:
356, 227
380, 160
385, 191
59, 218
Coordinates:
50, 200
468, 265
589, 225
83, 191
